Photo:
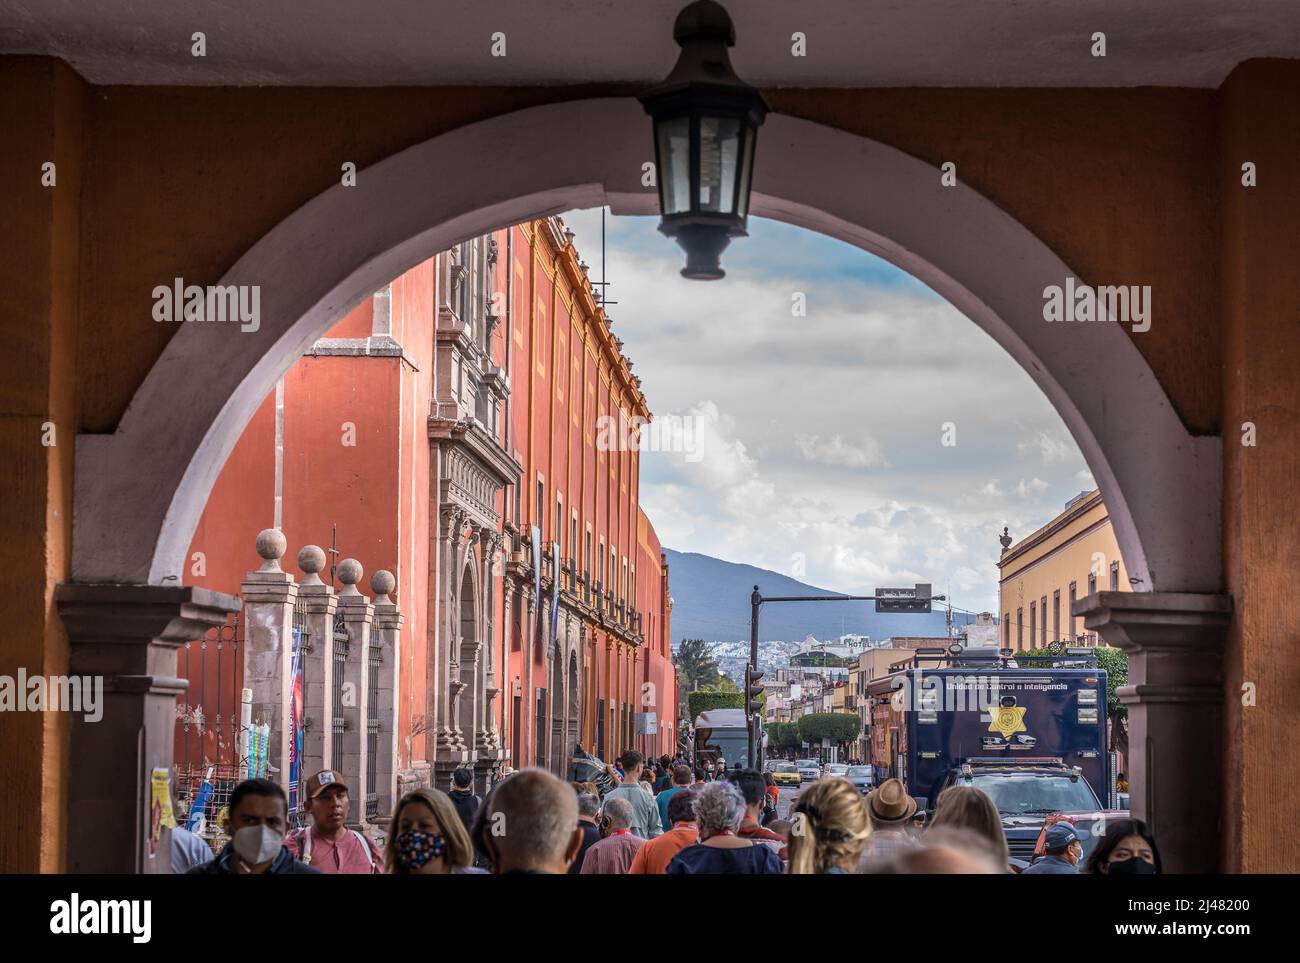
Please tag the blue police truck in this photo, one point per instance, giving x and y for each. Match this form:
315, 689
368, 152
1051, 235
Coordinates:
1031, 734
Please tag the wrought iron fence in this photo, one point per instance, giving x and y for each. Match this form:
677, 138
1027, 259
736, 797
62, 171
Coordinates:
209, 735
340, 664
207, 713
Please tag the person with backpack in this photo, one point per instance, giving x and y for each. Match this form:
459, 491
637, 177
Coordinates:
328, 845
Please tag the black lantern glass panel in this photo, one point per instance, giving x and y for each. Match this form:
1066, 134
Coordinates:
675, 165
719, 149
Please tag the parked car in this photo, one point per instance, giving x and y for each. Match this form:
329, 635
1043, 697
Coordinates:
786, 774
810, 770
862, 778
836, 769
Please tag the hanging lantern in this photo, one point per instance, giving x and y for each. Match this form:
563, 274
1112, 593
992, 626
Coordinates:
705, 122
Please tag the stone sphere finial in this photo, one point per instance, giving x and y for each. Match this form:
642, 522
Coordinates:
350, 572
271, 545
381, 583
311, 559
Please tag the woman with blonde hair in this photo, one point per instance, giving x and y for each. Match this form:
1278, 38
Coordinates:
427, 836
829, 829
965, 807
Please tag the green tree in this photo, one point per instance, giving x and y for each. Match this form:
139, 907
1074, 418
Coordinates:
835, 726
704, 700
1115, 662
695, 664
724, 683
782, 735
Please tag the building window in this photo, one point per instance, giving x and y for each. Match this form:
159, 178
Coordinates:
586, 556
541, 505
1033, 623
1043, 609
1056, 615
1114, 576
1074, 591
1006, 630
1092, 583
573, 539
559, 528
1020, 629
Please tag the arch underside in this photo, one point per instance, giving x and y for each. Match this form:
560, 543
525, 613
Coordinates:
1160, 484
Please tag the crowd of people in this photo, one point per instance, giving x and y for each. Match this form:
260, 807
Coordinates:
667, 818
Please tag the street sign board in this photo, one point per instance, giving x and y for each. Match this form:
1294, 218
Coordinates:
646, 723
915, 600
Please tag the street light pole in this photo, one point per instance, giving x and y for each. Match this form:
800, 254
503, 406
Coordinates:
755, 600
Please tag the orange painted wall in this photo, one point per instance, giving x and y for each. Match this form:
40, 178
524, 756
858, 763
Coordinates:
374, 490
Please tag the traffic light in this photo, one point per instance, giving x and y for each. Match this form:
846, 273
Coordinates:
753, 689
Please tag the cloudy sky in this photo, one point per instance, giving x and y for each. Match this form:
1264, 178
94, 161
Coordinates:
820, 450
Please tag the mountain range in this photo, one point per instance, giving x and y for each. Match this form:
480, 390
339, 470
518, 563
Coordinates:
711, 602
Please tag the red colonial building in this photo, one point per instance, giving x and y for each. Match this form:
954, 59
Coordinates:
448, 430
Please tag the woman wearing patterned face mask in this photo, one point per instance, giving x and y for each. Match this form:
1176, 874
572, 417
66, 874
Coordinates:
1128, 848
427, 836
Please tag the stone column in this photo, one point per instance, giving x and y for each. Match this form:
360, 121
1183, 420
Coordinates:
505, 734
385, 638
528, 740
126, 637
350, 752
450, 752
269, 596
1174, 697
487, 746
318, 603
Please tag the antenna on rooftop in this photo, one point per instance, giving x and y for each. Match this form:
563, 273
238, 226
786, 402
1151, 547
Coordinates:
602, 298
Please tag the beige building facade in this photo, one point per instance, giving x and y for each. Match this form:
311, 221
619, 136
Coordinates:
1073, 556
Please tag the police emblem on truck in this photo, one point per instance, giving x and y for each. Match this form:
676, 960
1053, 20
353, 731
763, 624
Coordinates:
1007, 720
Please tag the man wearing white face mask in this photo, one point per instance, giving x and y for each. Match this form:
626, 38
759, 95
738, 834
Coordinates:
258, 816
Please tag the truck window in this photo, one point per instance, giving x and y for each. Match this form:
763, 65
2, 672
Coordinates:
1037, 793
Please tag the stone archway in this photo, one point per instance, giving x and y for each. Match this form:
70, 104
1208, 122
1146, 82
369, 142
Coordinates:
133, 527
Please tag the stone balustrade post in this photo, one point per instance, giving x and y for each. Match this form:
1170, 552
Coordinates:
269, 595
385, 651
351, 753
319, 605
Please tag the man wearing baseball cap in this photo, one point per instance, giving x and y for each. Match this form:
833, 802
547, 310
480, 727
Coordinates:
1063, 852
327, 844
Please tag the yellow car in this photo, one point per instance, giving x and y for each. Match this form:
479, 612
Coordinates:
785, 774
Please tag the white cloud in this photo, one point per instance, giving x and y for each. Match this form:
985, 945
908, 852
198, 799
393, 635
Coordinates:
836, 451
792, 410
1050, 448
1031, 488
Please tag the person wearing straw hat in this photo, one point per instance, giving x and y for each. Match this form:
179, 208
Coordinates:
891, 810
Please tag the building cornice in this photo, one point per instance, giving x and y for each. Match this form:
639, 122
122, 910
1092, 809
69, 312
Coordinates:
1053, 527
